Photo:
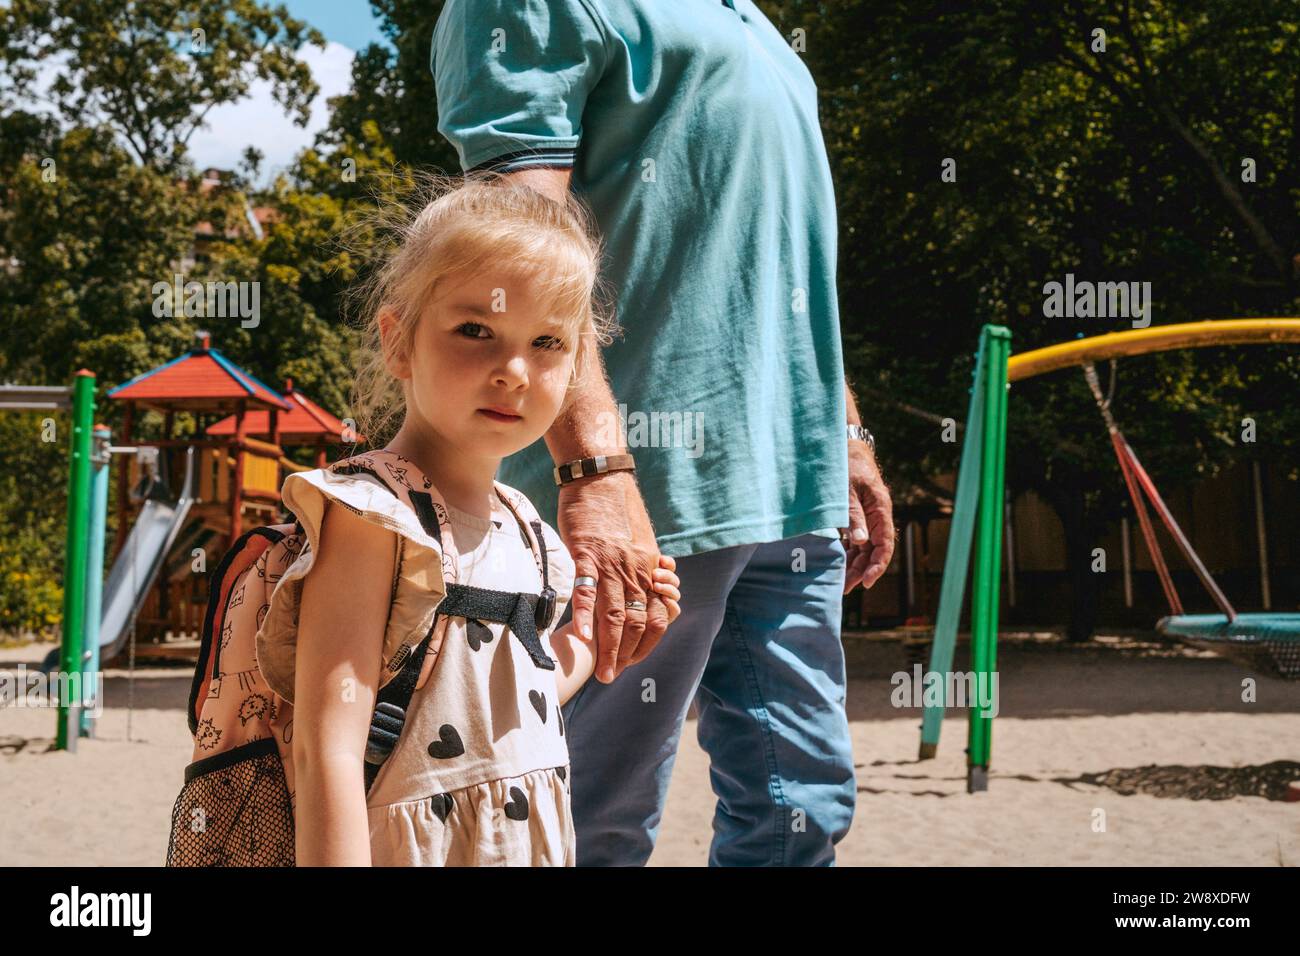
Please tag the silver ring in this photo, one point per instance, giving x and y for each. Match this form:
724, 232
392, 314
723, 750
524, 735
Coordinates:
584, 582
635, 605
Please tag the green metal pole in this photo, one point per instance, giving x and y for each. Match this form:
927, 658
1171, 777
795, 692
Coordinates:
95, 578
956, 565
988, 561
74, 566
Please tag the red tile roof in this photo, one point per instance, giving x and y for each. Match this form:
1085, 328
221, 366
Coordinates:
306, 422
203, 379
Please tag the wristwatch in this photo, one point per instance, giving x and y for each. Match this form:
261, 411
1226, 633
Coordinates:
861, 434
585, 467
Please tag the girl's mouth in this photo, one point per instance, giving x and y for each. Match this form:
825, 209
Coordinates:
497, 416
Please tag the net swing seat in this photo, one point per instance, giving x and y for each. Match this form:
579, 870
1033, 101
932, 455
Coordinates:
1268, 642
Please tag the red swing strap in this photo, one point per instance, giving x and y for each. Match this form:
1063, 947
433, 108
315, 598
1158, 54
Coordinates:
1135, 477
1176, 532
1144, 520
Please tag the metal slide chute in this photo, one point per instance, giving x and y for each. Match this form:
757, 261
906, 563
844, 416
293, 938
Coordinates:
138, 564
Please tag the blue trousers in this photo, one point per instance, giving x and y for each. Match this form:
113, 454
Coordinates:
757, 647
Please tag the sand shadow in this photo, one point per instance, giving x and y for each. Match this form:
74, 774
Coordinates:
1203, 782
13, 744
1169, 782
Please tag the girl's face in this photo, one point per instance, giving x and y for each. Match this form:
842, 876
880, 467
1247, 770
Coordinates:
490, 365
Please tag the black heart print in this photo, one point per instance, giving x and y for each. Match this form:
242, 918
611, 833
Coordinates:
517, 808
562, 772
448, 745
442, 804
478, 633
539, 703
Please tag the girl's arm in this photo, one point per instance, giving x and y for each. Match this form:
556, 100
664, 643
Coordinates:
576, 655
344, 613
576, 658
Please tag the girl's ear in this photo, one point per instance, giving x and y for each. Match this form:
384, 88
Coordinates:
396, 358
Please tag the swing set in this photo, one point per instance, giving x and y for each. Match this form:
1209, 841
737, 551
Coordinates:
1264, 641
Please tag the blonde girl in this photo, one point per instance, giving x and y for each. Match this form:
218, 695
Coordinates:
478, 325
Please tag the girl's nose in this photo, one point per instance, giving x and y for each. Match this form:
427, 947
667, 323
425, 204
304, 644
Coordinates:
513, 373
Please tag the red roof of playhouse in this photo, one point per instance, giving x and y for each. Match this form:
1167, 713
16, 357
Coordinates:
306, 422
200, 380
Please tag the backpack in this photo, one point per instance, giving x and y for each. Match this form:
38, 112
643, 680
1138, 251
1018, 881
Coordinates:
235, 807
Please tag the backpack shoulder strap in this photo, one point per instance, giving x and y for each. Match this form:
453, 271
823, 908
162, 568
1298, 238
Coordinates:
465, 601
390, 709
523, 510
526, 517
394, 697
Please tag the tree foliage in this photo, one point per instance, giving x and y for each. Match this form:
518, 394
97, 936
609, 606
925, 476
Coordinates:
153, 69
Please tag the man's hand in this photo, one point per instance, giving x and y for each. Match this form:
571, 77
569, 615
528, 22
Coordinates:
604, 524
870, 542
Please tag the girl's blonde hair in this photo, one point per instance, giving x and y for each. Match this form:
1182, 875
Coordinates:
471, 225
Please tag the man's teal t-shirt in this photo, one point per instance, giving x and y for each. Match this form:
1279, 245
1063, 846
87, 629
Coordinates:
691, 129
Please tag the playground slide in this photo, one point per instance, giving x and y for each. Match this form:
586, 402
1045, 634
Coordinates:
137, 566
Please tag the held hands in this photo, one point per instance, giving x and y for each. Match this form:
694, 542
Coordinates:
666, 585
603, 522
575, 655
870, 535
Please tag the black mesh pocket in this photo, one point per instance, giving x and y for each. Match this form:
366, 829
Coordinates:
234, 810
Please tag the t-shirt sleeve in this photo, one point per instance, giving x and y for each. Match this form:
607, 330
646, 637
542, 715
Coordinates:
512, 79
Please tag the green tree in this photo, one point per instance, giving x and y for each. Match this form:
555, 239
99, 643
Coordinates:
99, 203
153, 69
1123, 165
87, 232
393, 88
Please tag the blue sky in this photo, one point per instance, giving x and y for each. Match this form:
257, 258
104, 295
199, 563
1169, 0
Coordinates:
349, 22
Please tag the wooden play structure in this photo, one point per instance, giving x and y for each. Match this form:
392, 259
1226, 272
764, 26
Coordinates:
222, 479
182, 500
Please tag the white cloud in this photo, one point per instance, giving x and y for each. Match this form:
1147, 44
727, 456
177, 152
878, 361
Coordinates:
257, 120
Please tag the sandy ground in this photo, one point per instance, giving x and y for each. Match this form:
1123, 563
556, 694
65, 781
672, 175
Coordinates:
1154, 742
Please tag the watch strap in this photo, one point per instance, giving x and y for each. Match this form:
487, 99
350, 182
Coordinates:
586, 467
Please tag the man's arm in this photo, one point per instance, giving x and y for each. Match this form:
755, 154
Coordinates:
871, 512
602, 518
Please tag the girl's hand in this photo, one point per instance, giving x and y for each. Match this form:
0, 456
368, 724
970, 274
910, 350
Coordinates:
666, 585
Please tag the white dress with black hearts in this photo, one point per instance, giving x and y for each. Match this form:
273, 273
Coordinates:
480, 774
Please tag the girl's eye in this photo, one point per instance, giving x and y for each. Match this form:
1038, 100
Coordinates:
473, 328
549, 342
